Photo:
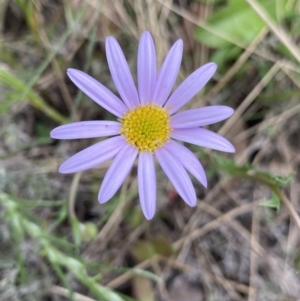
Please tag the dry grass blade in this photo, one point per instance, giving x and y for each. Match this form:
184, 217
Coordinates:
107, 232
264, 54
253, 257
289, 206
127, 276
55, 65
281, 118
213, 224
227, 285
249, 99
178, 265
61, 291
281, 34
236, 66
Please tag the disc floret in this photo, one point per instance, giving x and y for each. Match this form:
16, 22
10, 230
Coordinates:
146, 127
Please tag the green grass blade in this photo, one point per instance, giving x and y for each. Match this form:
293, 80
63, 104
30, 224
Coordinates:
33, 98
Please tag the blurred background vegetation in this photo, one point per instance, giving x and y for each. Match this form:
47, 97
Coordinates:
242, 240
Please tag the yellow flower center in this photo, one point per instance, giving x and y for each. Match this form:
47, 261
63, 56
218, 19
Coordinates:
147, 127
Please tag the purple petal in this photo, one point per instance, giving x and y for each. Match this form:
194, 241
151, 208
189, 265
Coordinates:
204, 138
93, 155
200, 117
147, 184
190, 87
120, 73
188, 160
97, 92
177, 175
117, 173
168, 73
146, 68
86, 129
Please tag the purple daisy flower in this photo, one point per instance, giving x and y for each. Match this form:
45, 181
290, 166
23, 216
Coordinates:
147, 125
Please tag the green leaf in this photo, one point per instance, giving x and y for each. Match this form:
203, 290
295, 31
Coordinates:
145, 249
273, 202
223, 54
238, 21
230, 167
248, 170
146, 274
107, 293
83, 231
163, 246
282, 180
